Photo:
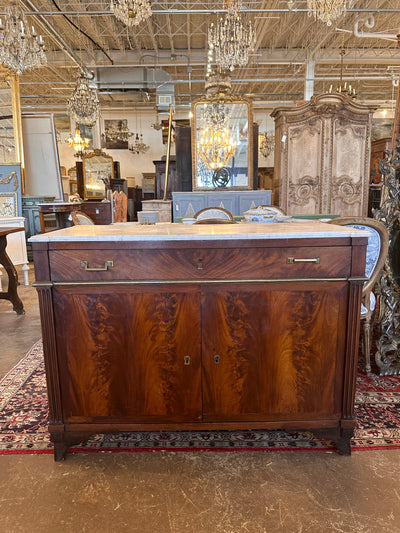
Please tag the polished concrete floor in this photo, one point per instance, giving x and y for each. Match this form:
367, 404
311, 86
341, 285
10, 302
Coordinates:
244, 492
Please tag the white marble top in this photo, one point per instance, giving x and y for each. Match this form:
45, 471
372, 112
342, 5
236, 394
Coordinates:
200, 232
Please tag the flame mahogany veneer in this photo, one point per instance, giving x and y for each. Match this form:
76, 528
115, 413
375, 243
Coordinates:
220, 334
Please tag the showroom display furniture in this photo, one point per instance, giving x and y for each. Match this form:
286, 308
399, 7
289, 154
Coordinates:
30, 211
227, 326
187, 204
99, 212
77, 218
11, 293
322, 156
16, 244
377, 249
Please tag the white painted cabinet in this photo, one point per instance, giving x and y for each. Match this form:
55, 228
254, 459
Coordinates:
16, 245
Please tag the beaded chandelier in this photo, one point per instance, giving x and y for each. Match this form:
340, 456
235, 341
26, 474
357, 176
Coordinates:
230, 39
20, 47
327, 10
131, 12
78, 143
83, 106
216, 147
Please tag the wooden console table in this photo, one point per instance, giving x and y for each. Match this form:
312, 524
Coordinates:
11, 293
99, 212
201, 327
60, 209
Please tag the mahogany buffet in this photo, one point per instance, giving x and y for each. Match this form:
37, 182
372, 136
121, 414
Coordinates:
202, 327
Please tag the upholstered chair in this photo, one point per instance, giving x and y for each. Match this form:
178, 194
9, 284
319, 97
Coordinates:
79, 218
377, 249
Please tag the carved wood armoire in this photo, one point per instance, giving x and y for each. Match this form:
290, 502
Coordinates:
322, 156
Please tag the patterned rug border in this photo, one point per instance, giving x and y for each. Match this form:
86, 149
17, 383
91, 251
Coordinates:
38, 442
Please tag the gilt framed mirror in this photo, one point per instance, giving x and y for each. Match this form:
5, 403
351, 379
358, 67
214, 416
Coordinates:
222, 144
98, 171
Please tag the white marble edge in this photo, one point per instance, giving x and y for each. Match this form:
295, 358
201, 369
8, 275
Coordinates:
173, 232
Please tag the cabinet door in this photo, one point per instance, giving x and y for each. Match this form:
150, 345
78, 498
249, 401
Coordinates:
123, 353
303, 164
273, 353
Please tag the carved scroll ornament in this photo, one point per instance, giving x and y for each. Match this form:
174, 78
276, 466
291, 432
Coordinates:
304, 190
387, 356
346, 189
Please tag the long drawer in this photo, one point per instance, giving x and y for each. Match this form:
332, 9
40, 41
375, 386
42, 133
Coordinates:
197, 264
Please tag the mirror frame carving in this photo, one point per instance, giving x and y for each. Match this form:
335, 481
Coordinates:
228, 100
85, 159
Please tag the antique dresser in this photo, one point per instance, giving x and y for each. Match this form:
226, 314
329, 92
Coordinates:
200, 327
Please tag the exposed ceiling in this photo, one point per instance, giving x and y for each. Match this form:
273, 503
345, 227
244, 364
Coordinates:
291, 48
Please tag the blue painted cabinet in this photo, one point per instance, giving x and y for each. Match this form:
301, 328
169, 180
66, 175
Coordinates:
186, 204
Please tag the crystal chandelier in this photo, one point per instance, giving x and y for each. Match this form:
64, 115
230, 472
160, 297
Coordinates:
216, 115
120, 133
83, 106
327, 10
139, 147
230, 40
266, 143
20, 47
78, 143
216, 147
344, 88
131, 12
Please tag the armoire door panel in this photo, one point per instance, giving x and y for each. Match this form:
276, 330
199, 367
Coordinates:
129, 353
350, 179
304, 161
273, 352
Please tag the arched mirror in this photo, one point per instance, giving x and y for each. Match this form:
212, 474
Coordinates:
222, 144
98, 171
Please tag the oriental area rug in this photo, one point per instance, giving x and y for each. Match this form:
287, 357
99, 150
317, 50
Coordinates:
24, 416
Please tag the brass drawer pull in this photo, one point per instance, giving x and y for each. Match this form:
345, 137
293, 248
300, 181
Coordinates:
292, 260
107, 265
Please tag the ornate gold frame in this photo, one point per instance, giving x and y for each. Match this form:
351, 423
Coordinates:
93, 175
222, 99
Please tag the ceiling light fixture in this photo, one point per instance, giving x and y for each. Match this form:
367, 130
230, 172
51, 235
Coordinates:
266, 143
20, 47
230, 39
83, 106
216, 147
327, 10
131, 12
344, 88
118, 133
78, 143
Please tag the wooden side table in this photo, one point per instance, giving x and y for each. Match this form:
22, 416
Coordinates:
60, 209
11, 293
